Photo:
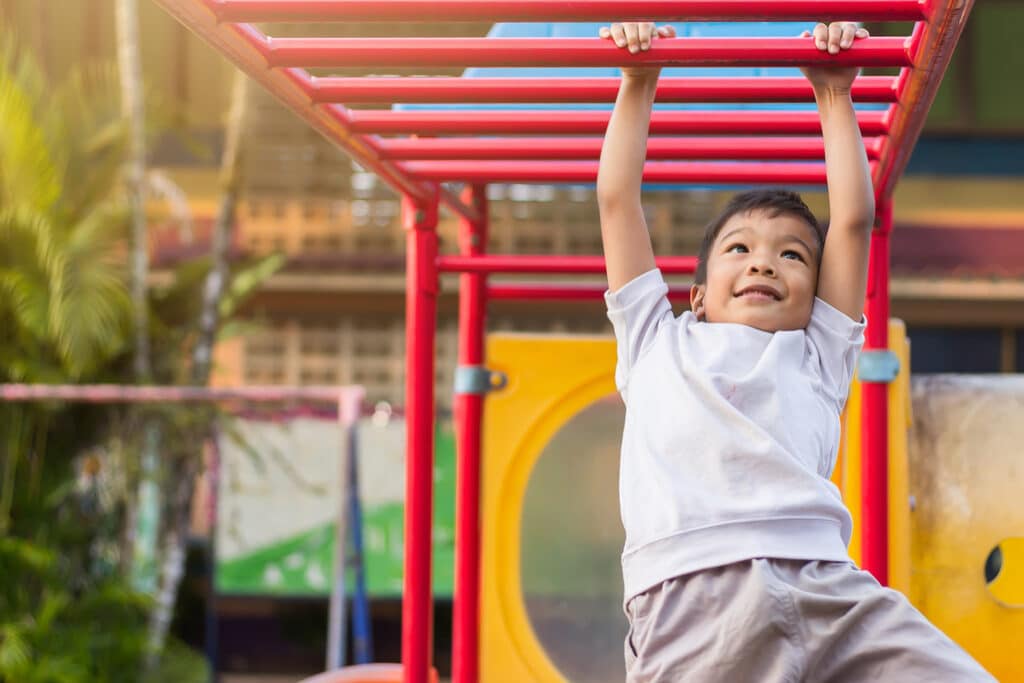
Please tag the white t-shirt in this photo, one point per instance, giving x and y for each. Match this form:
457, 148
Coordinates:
730, 436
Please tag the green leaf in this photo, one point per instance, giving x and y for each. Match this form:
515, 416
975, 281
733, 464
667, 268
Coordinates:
15, 653
28, 176
26, 554
247, 280
53, 606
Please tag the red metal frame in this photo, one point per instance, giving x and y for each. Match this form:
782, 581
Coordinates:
468, 413
439, 90
568, 10
875, 407
415, 164
596, 122
552, 148
724, 173
563, 265
579, 52
420, 222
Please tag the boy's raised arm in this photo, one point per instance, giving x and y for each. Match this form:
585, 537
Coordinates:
627, 243
842, 281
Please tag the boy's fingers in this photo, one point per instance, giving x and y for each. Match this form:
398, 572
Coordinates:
821, 36
646, 31
849, 31
605, 32
835, 34
633, 37
667, 31
862, 33
618, 34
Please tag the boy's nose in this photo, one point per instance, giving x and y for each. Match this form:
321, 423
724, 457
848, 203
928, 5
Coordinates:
762, 269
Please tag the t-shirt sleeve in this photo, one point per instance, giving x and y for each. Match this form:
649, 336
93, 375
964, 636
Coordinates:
636, 311
837, 340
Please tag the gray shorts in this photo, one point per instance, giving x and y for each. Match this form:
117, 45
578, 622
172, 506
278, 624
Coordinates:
786, 620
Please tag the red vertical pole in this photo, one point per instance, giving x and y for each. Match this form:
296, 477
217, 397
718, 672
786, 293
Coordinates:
468, 409
421, 288
875, 410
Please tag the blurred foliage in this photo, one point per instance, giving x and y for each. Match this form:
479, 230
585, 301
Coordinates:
69, 472
63, 622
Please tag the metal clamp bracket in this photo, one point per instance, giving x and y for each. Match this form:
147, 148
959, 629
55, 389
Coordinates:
882, 366
478, 380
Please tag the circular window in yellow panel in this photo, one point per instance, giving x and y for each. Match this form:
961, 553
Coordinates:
571, 542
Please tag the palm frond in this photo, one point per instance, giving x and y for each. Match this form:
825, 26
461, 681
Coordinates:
85, 121
15, 652
28, 260
29, 179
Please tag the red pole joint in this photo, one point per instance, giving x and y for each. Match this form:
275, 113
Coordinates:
419, 219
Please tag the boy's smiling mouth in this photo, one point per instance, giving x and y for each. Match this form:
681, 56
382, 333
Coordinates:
759, 292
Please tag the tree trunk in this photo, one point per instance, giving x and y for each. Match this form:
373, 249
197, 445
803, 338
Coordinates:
185, 468
176, 530
213, 288
130, 68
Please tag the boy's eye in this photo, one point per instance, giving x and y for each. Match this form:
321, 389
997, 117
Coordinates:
738, 248
790, 254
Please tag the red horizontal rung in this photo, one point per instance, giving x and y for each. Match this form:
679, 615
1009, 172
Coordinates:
596, 122
562, 265
572, 292
446, 90
567, 10
586, 172
576, 52
564, 148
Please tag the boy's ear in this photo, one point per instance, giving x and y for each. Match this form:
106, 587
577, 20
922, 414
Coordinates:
697, 301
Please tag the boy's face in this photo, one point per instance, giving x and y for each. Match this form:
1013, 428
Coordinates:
762, 271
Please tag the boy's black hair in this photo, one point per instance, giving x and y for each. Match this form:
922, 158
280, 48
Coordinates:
774, 201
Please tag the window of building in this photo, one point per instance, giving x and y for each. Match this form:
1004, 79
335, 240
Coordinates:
955, 350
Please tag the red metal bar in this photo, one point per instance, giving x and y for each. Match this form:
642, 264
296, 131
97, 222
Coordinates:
596, 122
932, 46
796, 173
875, 409
576, 52
247, 48
554, 265
242, 47
422, 285
567, 10
572, 292
734, 148
468, 414
449, 90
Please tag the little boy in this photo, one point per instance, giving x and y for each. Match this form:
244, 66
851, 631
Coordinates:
735, 564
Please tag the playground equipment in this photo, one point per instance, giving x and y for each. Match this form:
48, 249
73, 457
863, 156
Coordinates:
280, 65
528, 626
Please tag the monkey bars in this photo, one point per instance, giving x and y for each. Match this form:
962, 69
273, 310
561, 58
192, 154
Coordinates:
426, 149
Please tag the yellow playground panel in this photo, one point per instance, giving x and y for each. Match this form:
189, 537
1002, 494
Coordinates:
551, 588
